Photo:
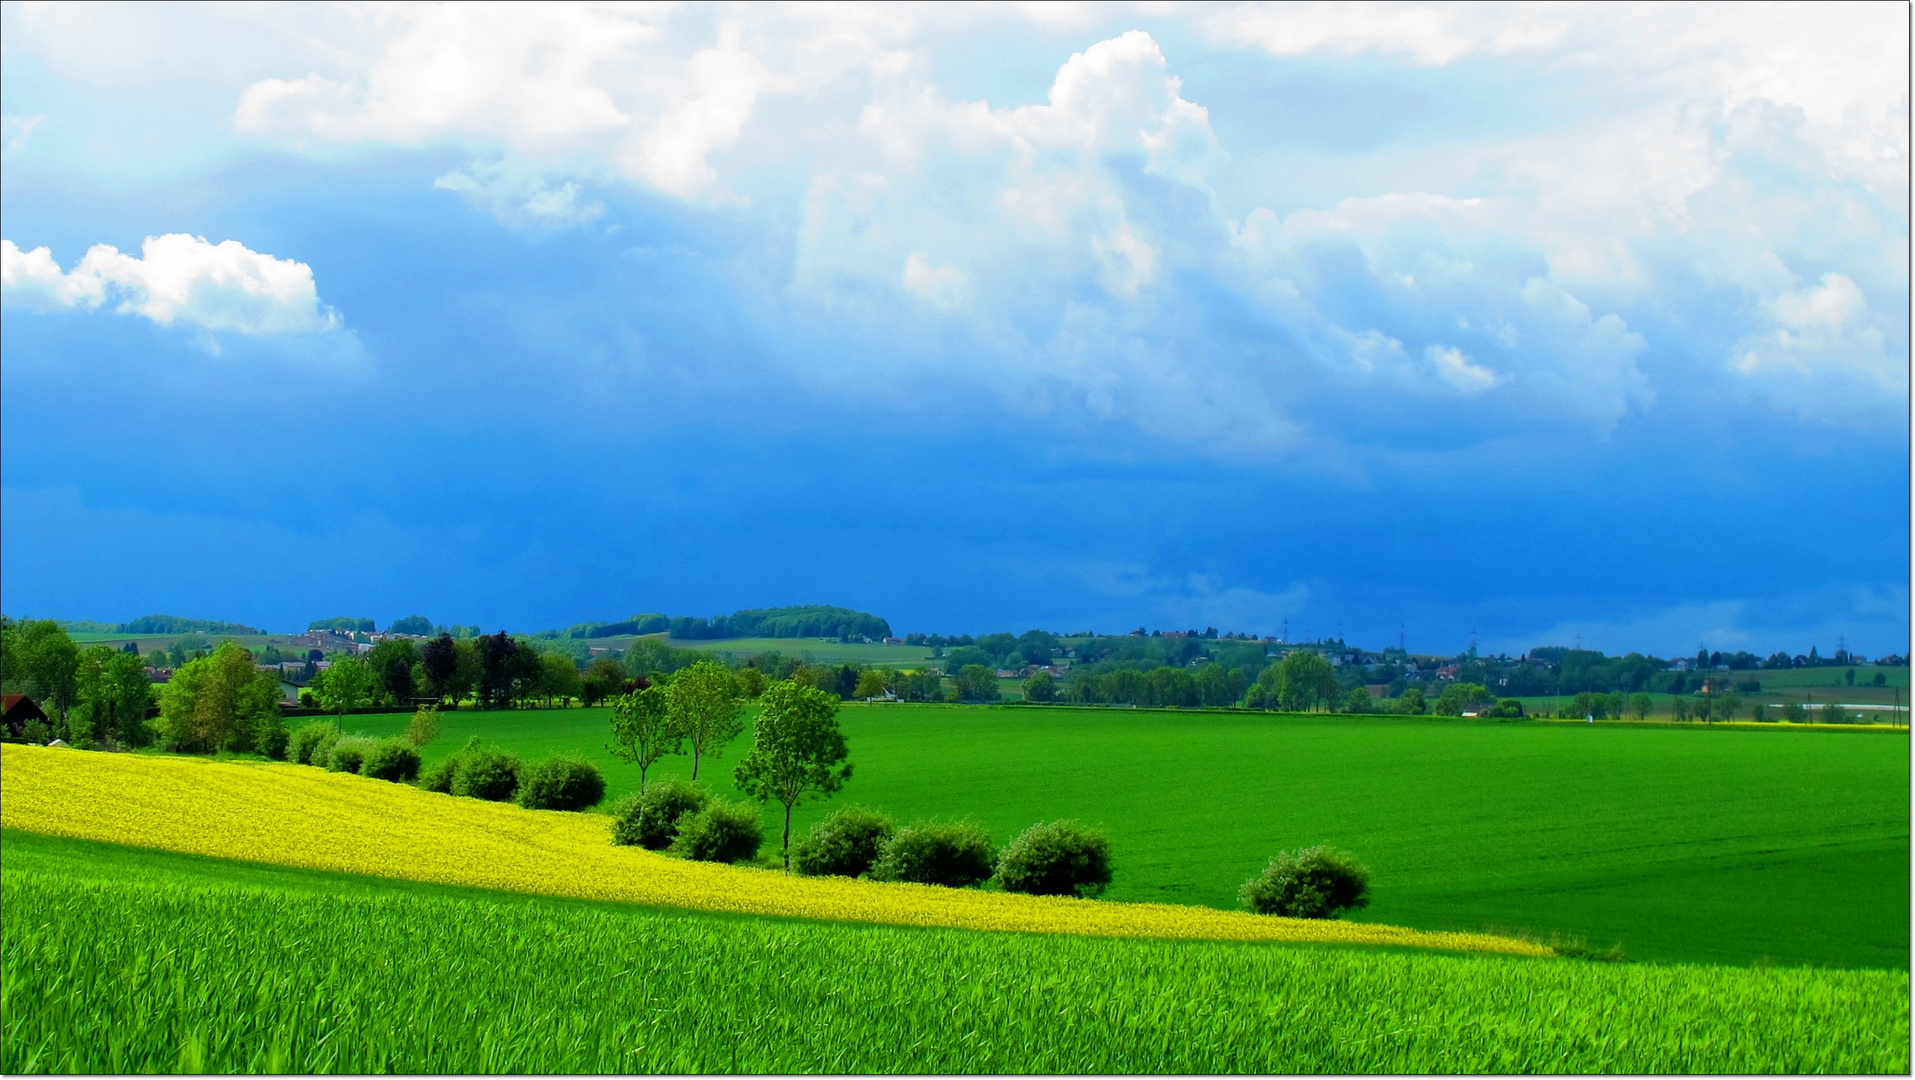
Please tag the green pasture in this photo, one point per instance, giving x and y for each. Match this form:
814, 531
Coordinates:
121, 961
1678, 843
814, 650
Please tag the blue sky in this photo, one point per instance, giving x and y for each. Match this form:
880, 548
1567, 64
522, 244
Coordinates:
1551, 324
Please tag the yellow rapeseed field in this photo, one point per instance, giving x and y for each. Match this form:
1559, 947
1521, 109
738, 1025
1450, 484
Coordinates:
295, 815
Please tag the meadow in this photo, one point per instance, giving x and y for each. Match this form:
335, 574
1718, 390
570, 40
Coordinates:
1678, 843
241, 967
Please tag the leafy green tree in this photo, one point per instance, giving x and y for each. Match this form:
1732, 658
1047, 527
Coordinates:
559, 678
391, 663
1218, 685
1680, 708
1640, 704
644, 730
870, 684
1411, 703
440, 662
975, 682
1459, 697
38, 658
797, 750
114, 696
1358, 701
602, 680
1729, 704
416, 625
1304, 679
1040, 687
705, 706
222, 702
344, 686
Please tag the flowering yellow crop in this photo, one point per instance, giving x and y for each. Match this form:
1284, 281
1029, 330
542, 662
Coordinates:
293, 815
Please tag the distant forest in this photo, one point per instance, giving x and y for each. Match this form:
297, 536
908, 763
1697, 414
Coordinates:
158, 625
812, 620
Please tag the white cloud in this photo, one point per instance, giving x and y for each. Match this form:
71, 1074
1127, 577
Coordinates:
529, 202
177, 278
15, 129
938, 284
1453, 366
1825, 354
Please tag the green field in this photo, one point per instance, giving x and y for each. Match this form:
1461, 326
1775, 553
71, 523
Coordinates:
120, 960
1733, 846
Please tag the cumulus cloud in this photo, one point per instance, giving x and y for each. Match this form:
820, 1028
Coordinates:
177, 278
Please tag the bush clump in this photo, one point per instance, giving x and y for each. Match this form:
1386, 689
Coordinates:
845, 844
950, 853
650, 820
486, 772
1062, 858
311, 744
1313, 883
560, 782
349, 753
392, 759
724, 831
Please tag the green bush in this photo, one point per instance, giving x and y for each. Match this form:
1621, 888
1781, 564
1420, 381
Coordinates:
1059, 859
724, 831
844, 844
349, 753
306, 744
950, 853
270, 736
486, 772
392, 759
651, 820
560, 782
1314, 883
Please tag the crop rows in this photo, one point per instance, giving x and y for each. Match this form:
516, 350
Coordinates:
103, 976
298, 816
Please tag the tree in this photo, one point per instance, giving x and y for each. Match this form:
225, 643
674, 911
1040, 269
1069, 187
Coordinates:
114, 696
1358, 701
220, 702
391, 664
440, 660
975, 682
1040, 687
37, 657
1411, 703
1639, 705
415, 625
602, 680
498, 668
870, 684
1460, 697
1729, 703
704, 704
559, 678
344, 686
796, 751
1304, 679
644, 730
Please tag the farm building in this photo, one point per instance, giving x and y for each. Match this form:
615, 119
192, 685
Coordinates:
16, 710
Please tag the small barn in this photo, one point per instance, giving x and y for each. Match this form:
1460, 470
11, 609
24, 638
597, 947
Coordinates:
15, 711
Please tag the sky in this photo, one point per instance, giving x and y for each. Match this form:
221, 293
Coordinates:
1551, 325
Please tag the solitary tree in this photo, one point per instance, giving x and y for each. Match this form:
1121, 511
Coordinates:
344, 686
440, 660
644, 730
794, 750
704, 704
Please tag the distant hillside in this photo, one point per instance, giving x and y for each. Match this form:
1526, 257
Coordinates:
814, 620
174, 624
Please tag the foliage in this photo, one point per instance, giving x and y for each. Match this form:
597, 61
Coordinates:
391, 663
704, 705
644, 729
1458, 698
1040, 688
870, 684
423, 728
724, 831
345, 685
486, 772
560, 782
168, 625
311, 744
649, 818
954, 854
114, 697
1411, 703
38, 658
1312, 883
1301, 680
602, 680
220, 702
1062, 858
391, 759
344, 622
349, 753
797, 750
439, 662
975, 682
559, 679
845, 843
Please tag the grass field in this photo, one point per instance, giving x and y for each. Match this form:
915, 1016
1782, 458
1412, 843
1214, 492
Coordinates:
238, 967
1679, 844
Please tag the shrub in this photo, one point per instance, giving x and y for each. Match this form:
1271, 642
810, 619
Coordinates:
270, 736
423, 727
305, 744
349, 753
724, 831
1314, 883
485, 772
392, 759
651, 820
844, 844
561, 782
1059, 859
949, 853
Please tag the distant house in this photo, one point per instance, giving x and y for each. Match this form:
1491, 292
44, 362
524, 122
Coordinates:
1447, 671
16, 710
